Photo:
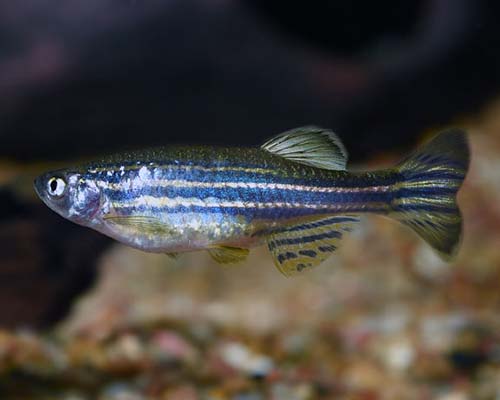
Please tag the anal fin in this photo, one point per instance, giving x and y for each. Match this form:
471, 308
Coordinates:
302, 246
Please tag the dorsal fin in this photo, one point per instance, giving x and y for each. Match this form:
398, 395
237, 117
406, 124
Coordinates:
310, 145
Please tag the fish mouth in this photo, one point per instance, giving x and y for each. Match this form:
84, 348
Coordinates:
38, 185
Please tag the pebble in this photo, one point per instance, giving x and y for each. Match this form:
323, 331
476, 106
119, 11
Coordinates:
239, 357
120, 391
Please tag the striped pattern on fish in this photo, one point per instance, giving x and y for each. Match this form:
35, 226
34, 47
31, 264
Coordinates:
293, 193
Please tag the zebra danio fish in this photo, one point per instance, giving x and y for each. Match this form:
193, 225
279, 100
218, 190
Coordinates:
293, 193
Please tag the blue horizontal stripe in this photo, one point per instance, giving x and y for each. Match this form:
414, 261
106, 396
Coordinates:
248, 212
250, 195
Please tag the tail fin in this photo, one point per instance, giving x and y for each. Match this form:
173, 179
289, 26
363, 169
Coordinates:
426, 200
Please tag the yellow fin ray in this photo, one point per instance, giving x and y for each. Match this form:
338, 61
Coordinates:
146, 224
310, 145
173, 256
303, 246
228, 254
427, 203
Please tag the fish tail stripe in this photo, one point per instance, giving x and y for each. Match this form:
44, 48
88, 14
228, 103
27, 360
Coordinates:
426, 208
433, 175
430, 180
437, 201
431, 163
427, 191
422, 184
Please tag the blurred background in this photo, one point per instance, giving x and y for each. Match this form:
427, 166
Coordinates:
82, 317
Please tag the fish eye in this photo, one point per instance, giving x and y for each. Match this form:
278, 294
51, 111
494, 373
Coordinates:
56, 186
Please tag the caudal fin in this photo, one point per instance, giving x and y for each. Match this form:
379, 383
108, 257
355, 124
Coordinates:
426, 199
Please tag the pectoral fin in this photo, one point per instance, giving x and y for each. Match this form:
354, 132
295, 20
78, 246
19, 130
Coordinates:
305, 245
146, 224
173, 256
227, 254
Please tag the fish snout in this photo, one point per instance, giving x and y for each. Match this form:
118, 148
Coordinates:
39, 185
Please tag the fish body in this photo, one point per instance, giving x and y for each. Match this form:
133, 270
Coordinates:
293, 193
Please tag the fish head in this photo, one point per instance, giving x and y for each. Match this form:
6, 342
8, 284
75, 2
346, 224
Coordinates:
71, 194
